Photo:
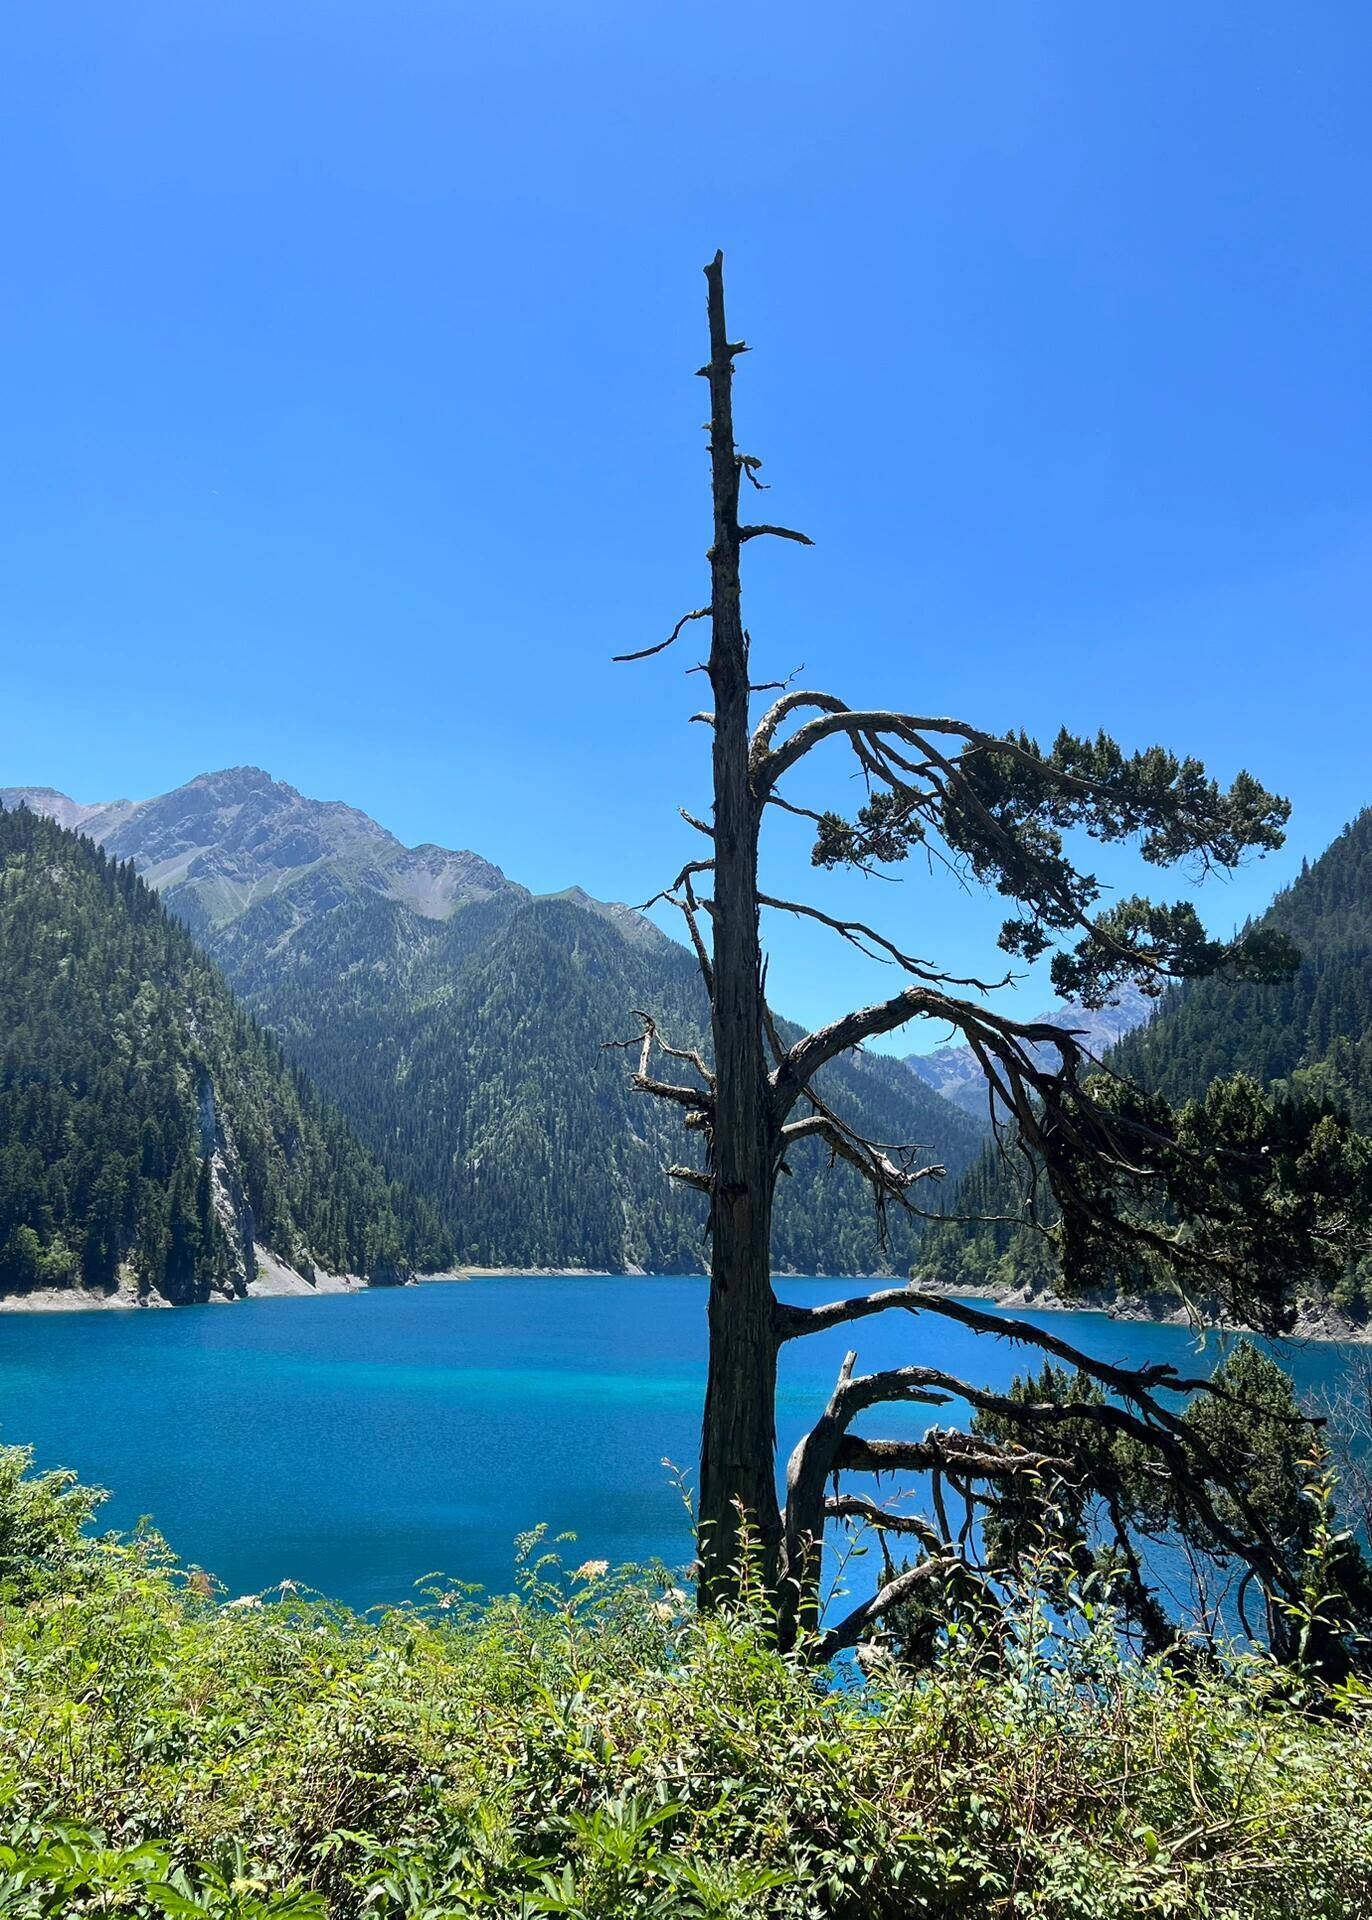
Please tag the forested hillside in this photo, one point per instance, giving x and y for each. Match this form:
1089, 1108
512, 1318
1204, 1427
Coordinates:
1310, 1035
474, 1055
461, 1024
151, 1135
1313, 1033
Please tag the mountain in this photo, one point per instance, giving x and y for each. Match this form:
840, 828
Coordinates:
482, 1053
953, 1071
217, 845
1311, 1034
152, 1137
95, 821
460, 1023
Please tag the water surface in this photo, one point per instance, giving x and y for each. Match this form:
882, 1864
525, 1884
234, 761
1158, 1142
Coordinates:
357, 1442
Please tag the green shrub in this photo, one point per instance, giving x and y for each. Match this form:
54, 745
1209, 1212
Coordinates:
588, 1747
41, 1521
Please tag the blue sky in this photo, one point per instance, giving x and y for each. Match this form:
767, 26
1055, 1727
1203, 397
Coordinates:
350, 425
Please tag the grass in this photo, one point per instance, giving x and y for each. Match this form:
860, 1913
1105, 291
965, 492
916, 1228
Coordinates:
588, 1747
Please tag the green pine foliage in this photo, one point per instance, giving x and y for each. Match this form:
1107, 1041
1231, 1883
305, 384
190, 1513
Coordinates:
1308, 1037
150, 1132
473, 1056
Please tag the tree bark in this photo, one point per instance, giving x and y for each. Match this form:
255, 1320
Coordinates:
738, 1442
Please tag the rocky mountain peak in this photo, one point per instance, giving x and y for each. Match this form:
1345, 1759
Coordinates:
953, 1070
69, 813
627, 921
230, 838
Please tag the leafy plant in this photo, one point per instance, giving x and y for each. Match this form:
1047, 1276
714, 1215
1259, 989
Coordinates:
591, 1746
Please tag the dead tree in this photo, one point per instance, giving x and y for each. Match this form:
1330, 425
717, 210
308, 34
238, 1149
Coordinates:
1189, 1193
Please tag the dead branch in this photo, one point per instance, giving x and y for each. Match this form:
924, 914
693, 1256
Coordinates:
1129, 1382
829, 1449
874, 1163
856, 932
690, 907
946, 1451
781, 533
852, 1506
1189, 1465
687, 873
691, 1177
848, 1631
807, 1056
646, 653
699, 1100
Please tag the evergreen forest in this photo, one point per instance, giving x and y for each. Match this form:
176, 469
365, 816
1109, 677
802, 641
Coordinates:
152, 1135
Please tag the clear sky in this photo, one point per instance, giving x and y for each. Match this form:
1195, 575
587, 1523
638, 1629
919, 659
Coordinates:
349, 419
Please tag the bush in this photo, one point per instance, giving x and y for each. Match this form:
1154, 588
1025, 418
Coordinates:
41, 1518
588, 1747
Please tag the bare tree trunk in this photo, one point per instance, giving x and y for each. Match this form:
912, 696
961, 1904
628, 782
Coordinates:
1113, 1173
738, 1443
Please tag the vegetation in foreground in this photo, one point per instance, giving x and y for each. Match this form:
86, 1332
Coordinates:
591, 1747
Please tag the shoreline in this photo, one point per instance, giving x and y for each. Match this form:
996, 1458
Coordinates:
1315, 1323
536, 1273
274, 1280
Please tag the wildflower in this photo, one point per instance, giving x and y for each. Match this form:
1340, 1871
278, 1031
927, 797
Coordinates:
246, 1600
591, 1570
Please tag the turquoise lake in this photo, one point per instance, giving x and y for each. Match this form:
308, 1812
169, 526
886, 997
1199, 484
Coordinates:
358, 1442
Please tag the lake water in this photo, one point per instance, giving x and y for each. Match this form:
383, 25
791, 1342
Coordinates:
357, 1442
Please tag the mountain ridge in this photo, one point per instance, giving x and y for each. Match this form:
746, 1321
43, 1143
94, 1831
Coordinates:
259, 835
953, 1071
467, 1044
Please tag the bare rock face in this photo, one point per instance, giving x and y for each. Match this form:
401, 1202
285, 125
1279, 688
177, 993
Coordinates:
95, 822
217, 845
225, 841
953, 1070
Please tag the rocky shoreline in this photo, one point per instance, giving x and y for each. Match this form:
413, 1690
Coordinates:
1315, 1320
274, 1280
